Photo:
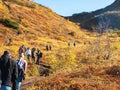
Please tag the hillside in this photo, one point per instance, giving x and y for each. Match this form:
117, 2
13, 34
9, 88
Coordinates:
85, 66
109, 15
23, 22
33, 24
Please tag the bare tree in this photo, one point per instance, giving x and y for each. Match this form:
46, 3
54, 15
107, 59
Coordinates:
103, 27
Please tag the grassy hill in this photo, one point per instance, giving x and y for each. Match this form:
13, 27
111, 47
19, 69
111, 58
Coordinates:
84, 67
33, 24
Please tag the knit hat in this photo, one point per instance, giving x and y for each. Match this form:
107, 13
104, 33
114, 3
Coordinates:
6, 52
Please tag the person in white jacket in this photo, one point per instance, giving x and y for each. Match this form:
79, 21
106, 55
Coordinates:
28, 53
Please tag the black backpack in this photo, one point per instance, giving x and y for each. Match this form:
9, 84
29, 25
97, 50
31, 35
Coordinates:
41, 54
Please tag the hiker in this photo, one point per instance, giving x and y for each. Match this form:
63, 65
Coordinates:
28, 53
50, 47
9, 41
33, 54
22, 49
47, 47
0, 78
68, 43
22, 67
39, 55
9, 72
74, 44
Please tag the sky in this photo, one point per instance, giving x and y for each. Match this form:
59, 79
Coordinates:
69, 7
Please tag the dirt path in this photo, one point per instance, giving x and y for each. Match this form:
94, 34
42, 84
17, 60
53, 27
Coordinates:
44, 71
30, 82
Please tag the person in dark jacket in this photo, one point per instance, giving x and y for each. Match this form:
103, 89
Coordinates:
39, 56
33, 54
0, 78
50, 47
47, 47
74, 44
9, 72
68, 43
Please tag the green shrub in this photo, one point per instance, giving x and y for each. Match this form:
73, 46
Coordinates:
9, 23
72, 33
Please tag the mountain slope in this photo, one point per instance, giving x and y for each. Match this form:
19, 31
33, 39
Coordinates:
24, 21
72, 67
91, 20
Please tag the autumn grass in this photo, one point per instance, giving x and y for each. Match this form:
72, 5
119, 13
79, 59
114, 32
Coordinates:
87, 71
72, 68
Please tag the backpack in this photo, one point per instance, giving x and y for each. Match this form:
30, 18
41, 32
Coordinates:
41, 54
21, 50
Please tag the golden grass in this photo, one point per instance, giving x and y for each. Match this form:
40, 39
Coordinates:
73, 68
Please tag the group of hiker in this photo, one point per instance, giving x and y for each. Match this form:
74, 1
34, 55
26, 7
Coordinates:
12, 72
33, 54
48, 47
74, 44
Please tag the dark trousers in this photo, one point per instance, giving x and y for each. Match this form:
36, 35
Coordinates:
28, 57
38, 61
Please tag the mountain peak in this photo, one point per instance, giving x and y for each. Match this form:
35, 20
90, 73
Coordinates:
115, 5
89, 20
117, 2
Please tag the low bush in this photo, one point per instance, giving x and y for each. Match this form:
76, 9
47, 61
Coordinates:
67, 59
72, 33
9, 23
114, 70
